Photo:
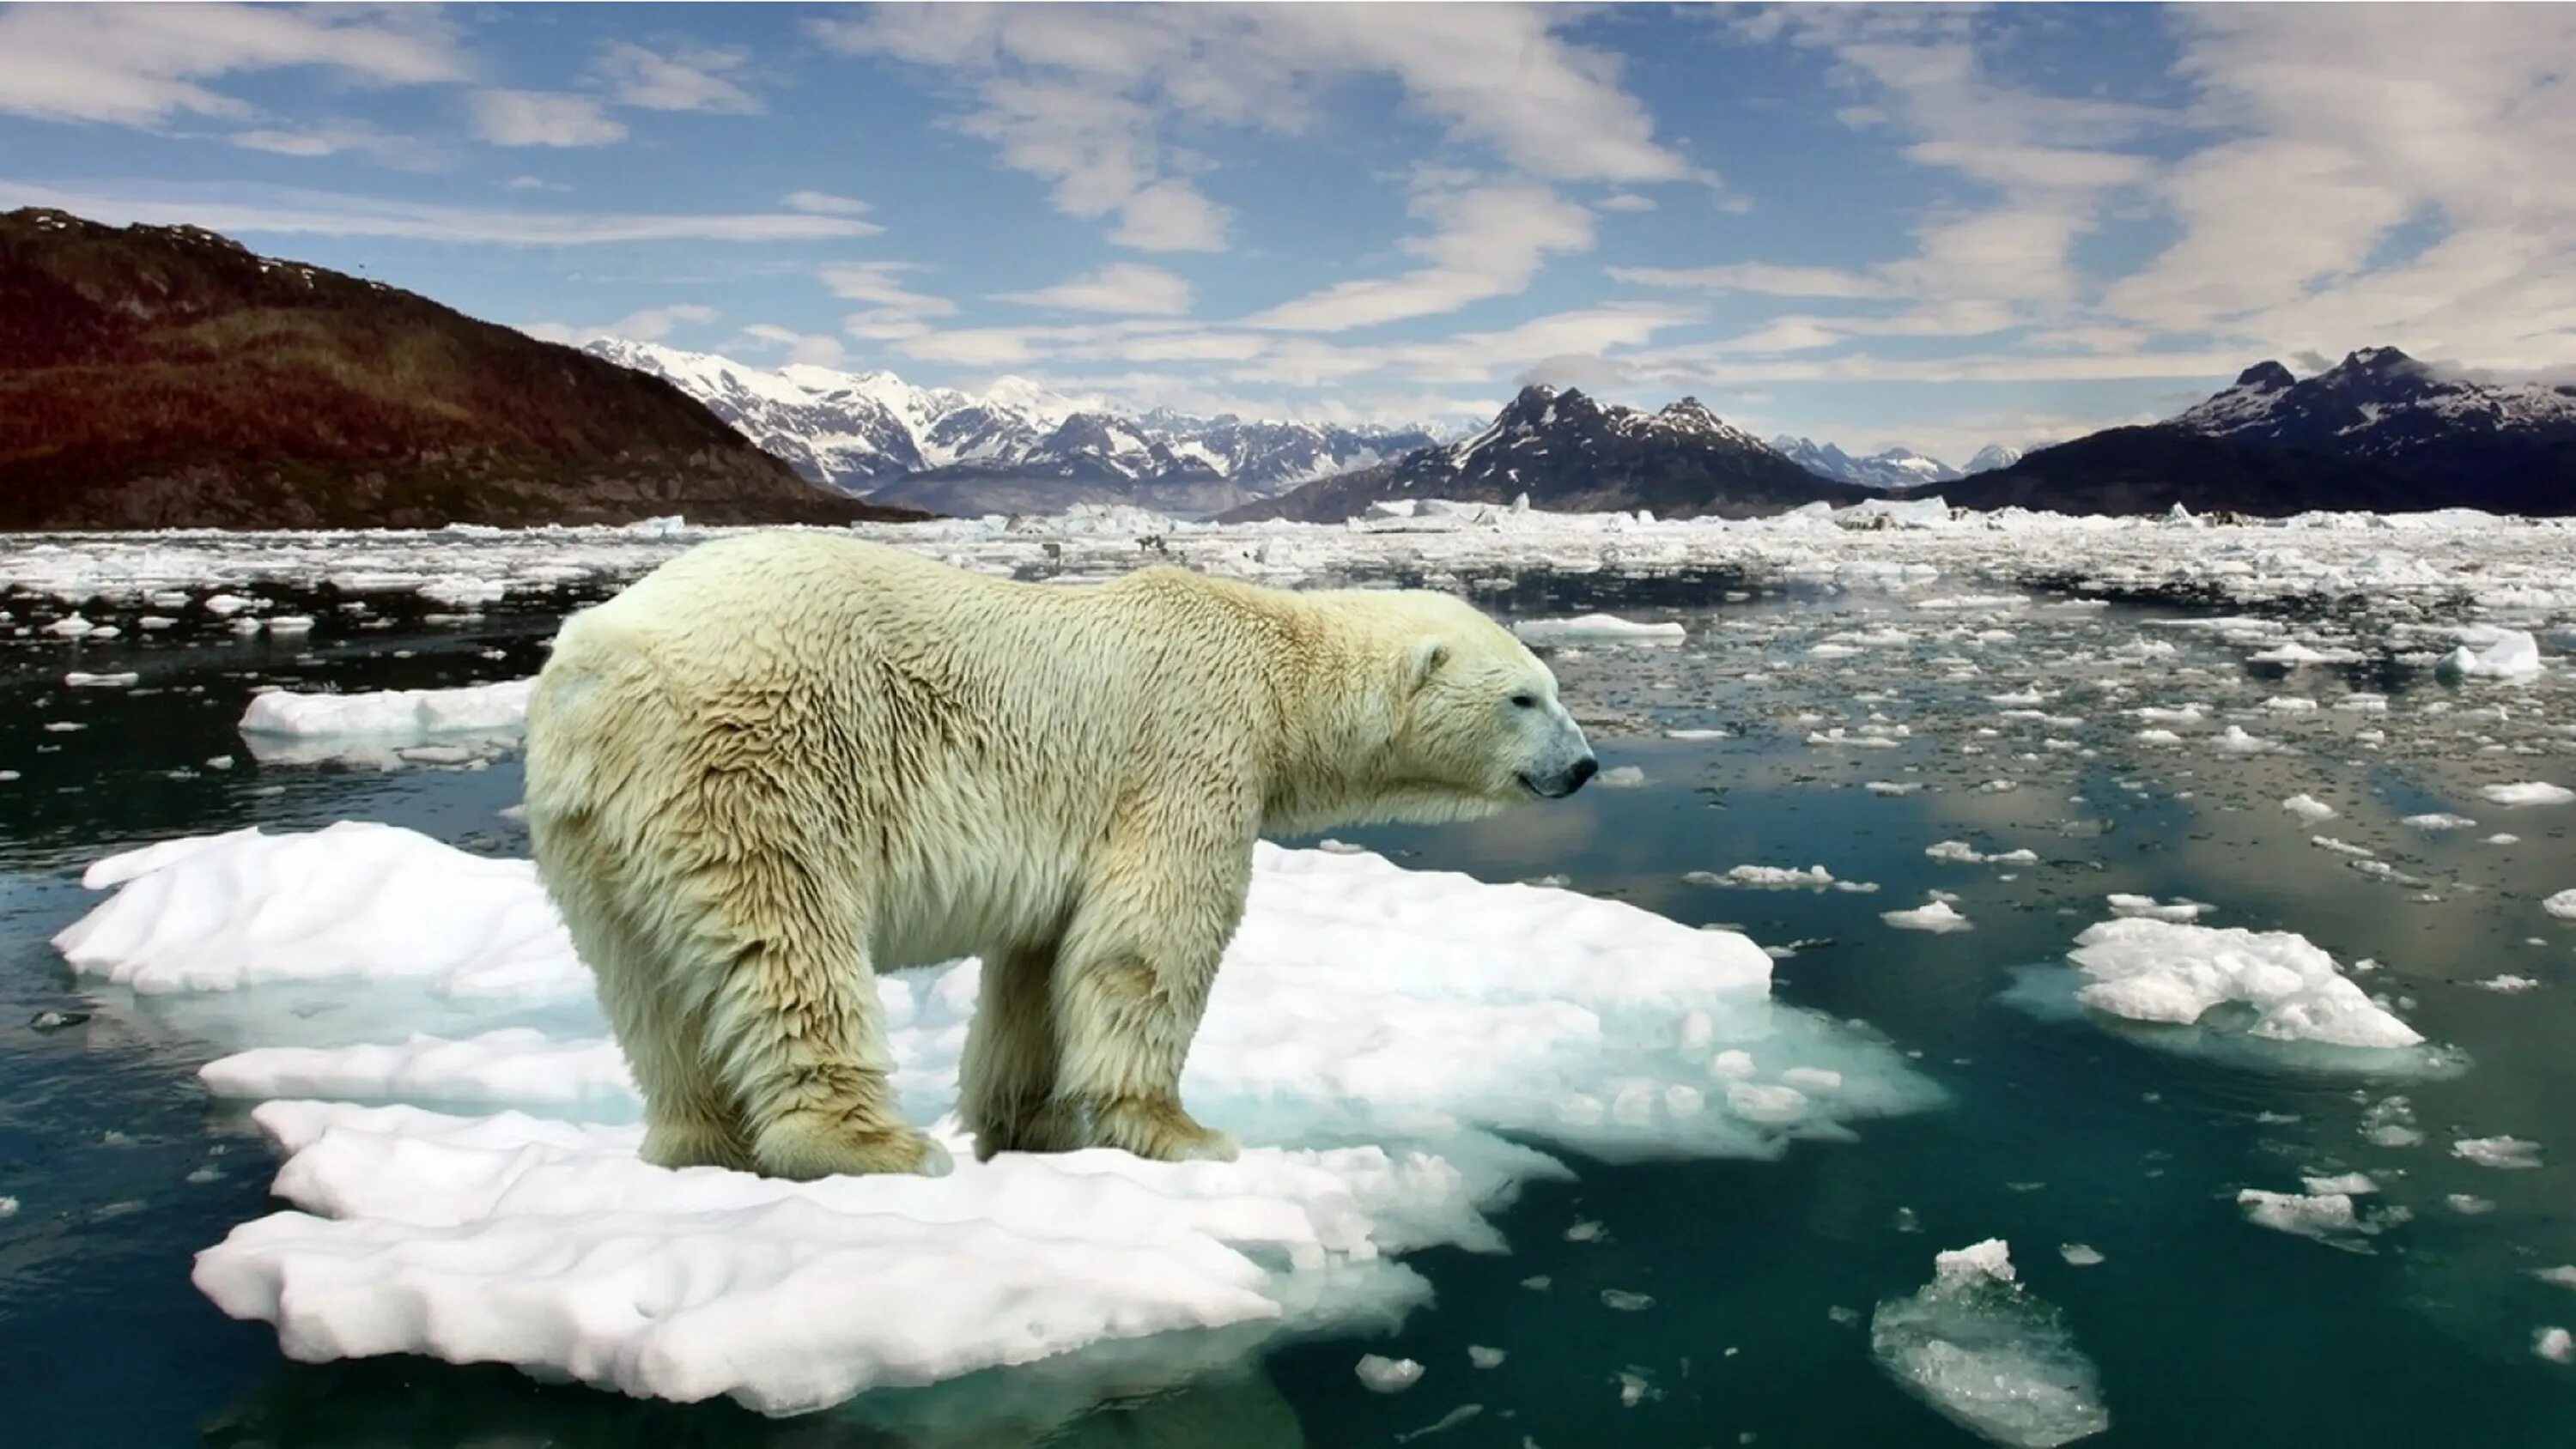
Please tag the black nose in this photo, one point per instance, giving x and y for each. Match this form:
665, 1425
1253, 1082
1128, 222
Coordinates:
1584, 769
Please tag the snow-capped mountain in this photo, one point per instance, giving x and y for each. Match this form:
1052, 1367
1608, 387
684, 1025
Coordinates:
1989, 458
1894, 468
1569, 452
2377, 403
2378, 431
1015, 447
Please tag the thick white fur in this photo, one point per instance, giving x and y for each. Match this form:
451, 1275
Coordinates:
784, 761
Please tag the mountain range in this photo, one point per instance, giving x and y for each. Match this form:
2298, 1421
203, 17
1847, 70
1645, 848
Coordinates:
1570, 452
1892, 468
1013, 447
2377, 431
157, 377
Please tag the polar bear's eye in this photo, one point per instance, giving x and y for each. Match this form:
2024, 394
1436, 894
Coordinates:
1524, 701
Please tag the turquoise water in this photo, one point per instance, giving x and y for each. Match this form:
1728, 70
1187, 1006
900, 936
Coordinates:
1743, 1290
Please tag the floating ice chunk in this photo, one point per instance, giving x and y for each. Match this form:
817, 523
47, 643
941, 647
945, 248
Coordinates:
407, 713
2441, 820
462, 593
1359, 999
2343, 847
2562, 904
1988, 1355
1483, 1357
215, 913
1766, 877
2513, 654
2150, 909
2390, 1122
78, 680
1697, 735
2079, 1255
1596, 629
2325, 1216
2564, 1275
2554, 1344
2296, 654
2498, 1152
1960, 852
2530, 792
2509, 984
1384, 1375
1893, 787
2236, 741
2163, 971
2351, 1184
1622, 777
1938, 917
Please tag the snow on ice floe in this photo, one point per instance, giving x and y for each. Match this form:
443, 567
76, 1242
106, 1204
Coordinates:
1990, 1355
2502, 654
2561, 904
1939, 918
1595, 629
471, 1190
2269, 998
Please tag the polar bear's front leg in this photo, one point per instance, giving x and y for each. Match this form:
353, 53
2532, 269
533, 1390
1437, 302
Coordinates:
1131, 981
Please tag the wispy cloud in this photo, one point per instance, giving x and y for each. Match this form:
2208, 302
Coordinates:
1083, 96
543, 118
652, 324
690, 78
823, 203
140, 65
895, 312
346, 138
1486, 241
283, 211
1125, 288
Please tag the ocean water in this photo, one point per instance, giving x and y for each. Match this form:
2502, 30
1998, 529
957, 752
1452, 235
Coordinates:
1656, 1303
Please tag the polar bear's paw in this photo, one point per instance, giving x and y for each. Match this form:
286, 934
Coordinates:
1156, 1129
802, 1146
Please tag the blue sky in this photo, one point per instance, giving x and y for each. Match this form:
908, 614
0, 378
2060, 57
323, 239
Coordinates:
1925, 225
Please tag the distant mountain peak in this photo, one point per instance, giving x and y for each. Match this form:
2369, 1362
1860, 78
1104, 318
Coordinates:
2265, 376
1887, 468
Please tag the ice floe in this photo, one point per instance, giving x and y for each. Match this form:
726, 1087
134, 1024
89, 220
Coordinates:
460, 1149
1989, 1354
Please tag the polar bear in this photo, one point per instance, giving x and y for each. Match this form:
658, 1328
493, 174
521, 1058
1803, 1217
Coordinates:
785, 761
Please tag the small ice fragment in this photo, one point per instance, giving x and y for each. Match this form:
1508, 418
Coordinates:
2469, 1205
2513, 654
1812, 1079
2079, 1255
1625, 1301
2161, 971
2564, 1275
1445, 1422
1596, 629
1755, 1103
1696, 735
1635, 1388
78, 680
2555, 1345
2391, 1123
1731, 1064
1937, 917
1584, 1231
1766, 877
2321, 1215
1985, 1353
1387, 1375
1621, 777
1483, 1357
53, 1021
2562, 905
2440, 820
2505, 1153
8, 1207
2147, 906
2528, 792
2510, 983
2352, 1184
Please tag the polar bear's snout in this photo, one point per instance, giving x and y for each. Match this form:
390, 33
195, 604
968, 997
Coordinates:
1563, 782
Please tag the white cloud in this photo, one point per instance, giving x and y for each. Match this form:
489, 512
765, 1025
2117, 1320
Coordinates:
1082, 96
1487, 241
140, 65
652, 324
819, 349
344, 138
1627, 201
692, 78
254, 211
2348, 139
895, 312
823, 203
1122, 287
1756, 277
542, 118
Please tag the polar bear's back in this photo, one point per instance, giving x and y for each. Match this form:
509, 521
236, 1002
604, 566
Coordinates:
938, 730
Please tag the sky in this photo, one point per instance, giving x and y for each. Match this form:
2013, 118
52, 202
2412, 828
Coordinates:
1927, 226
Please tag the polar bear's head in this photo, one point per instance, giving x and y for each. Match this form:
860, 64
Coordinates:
1481, 726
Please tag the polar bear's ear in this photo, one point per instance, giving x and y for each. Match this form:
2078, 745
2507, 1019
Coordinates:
1424, 660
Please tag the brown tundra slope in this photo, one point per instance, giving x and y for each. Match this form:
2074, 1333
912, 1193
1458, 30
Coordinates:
167, 377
